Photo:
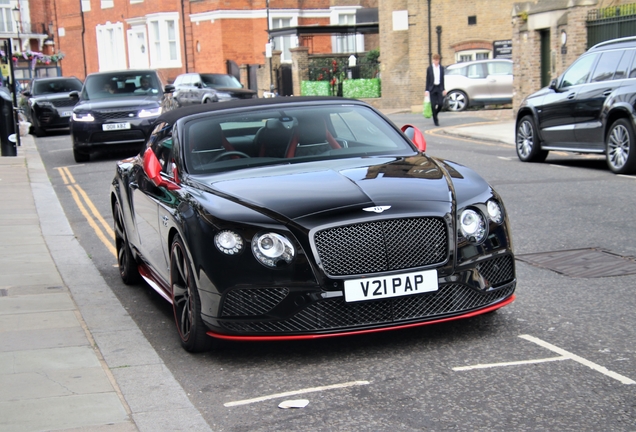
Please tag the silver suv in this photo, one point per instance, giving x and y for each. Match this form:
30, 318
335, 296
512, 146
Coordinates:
198, 88
478, 83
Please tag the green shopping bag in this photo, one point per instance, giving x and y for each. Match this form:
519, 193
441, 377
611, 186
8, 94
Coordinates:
427, 109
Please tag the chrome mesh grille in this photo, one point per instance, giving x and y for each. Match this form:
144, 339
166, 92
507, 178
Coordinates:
250, 302
497, 271
379, 246
335, 313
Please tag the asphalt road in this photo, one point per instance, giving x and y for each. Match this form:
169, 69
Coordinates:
561, 357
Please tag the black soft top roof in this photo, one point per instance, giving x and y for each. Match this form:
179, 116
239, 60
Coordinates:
173, 115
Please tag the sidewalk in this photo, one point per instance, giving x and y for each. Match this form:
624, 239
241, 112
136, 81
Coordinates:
497, 131
71, 358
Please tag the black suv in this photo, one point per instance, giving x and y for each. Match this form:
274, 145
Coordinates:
47, 104
195, 88
588, 109
115, 109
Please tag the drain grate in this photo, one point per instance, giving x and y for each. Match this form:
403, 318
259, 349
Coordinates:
582, 263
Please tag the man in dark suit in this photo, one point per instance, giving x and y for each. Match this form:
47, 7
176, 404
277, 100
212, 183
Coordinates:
435, 86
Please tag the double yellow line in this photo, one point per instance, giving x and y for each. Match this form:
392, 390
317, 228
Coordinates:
94, 216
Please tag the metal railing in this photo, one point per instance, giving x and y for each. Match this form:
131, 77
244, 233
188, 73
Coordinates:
610, 23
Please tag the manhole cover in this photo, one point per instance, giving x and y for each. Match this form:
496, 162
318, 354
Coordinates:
582, 263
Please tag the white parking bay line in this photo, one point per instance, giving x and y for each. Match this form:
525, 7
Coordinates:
564, 353
514, 363
297, 392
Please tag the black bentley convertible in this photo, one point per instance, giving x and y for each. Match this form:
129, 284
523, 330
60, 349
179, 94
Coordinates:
292, 218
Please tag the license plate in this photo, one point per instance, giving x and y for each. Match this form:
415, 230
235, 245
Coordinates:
115, 126
398, 285
66, 113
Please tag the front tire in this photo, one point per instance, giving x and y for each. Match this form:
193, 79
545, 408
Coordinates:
456, 101
186, 302
80, 157
527, 141
620, 147
128, 269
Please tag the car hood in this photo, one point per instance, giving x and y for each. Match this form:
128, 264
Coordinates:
120, 102
408, 185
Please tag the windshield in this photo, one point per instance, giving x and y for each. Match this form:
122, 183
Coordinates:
216, 143
220, 81
42, 87
121, 84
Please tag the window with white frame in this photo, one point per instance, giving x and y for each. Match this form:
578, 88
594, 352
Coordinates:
86, 5
107, 4
346, 43
163, 41
470, 55
6, 17
283, 43
111, 50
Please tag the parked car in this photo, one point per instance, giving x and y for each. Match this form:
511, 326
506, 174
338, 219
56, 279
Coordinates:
588, 109
46, 103
478, 83
115, 110
198, 88
306, 217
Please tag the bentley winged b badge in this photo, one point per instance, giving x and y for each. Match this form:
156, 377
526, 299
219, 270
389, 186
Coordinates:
376, 209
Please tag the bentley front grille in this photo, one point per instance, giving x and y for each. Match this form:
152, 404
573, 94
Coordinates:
335, 313
384, 245
252, 302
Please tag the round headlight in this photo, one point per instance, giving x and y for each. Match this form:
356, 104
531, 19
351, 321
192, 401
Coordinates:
228, 242
494, 211
271, 249
472, 225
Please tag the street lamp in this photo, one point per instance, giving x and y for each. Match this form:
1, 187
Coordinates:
16, 17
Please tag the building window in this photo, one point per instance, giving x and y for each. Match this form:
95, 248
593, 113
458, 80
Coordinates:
136, 1
6, 17
346, 43
107, 4
86, 5
163, 41
283, 43
470, 55
111, 50
472, 20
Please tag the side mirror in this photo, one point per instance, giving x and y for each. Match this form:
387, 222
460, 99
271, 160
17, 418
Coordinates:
152, 168
169, 88
416, 136
553, 85
26, 93
74, 94
198, 85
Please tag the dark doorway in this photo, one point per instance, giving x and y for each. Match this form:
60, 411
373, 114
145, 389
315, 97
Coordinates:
233, 69
284, 80
252, 82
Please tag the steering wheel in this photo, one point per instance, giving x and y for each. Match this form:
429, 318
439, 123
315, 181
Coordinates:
230, 153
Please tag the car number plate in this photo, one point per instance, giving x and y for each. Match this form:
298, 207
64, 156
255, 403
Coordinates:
66, 113
115, 126
398, 285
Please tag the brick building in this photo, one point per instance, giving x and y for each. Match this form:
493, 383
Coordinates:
412, 31
548, 35
177, 36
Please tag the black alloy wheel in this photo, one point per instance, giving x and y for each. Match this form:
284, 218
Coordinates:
620, 150
128, 269
527, 141
186, 302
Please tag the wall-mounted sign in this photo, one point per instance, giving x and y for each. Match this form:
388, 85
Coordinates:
502, 49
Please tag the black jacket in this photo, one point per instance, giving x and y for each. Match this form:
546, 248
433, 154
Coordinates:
430, 77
